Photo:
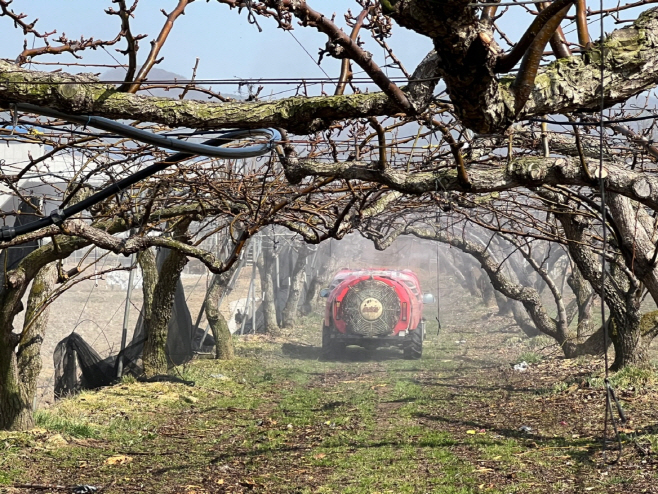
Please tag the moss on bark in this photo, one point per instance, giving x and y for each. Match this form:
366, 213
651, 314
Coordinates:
223, 340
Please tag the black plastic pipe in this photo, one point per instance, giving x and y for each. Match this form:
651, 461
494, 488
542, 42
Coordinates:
164, 141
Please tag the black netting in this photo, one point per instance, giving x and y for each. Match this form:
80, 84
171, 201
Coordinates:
78, 366
245, 323
208, 342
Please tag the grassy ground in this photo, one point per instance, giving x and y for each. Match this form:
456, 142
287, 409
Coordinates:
278, 419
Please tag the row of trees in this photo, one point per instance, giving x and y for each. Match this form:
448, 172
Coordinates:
450, 154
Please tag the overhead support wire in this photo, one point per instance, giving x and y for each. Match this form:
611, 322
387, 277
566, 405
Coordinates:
504, 4
236, 81
593, 122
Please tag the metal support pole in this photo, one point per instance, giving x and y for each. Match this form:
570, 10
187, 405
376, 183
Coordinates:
276, 257
95, 266
251, 288
126, 313
438, 289
246, 305
253, 291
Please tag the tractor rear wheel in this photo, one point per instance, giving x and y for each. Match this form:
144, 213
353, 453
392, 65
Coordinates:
413, 349
330, 347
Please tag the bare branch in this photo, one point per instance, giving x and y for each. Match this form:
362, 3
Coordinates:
156, 46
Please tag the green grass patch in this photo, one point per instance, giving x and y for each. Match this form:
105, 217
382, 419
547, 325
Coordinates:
530, 357
8, 477
74, 427
627, 377
635, 376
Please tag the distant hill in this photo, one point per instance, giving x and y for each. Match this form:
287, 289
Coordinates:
164, 75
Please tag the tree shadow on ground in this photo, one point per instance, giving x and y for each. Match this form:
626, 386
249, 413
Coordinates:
480, 388
300, 351
349, 354
478, 362
354, 445
582, 450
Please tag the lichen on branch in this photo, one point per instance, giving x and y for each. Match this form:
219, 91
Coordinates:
84, 94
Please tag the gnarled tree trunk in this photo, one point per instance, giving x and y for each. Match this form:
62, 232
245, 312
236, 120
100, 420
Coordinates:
323, 268
20, 360
488, 292
290, 312
583, 301
504, 304
594, 344
14, 403
223, 342
621, 289
161, 303
631, 337
312, 290
265, 264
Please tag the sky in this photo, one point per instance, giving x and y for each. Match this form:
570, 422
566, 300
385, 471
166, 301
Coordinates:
227, 45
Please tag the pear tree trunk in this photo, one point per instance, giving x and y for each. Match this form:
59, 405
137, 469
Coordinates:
488, 292
20, 363
162, 301
290, 311
149, 267
20, 360
223, 342
504, 304
311, 293
265, 264
631, 341
584, 299
325, 265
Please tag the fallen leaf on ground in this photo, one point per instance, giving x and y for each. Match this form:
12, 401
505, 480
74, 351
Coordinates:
118, 460
56, 440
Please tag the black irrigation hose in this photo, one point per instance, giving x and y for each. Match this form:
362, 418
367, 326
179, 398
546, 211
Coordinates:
163, 141
189, 150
